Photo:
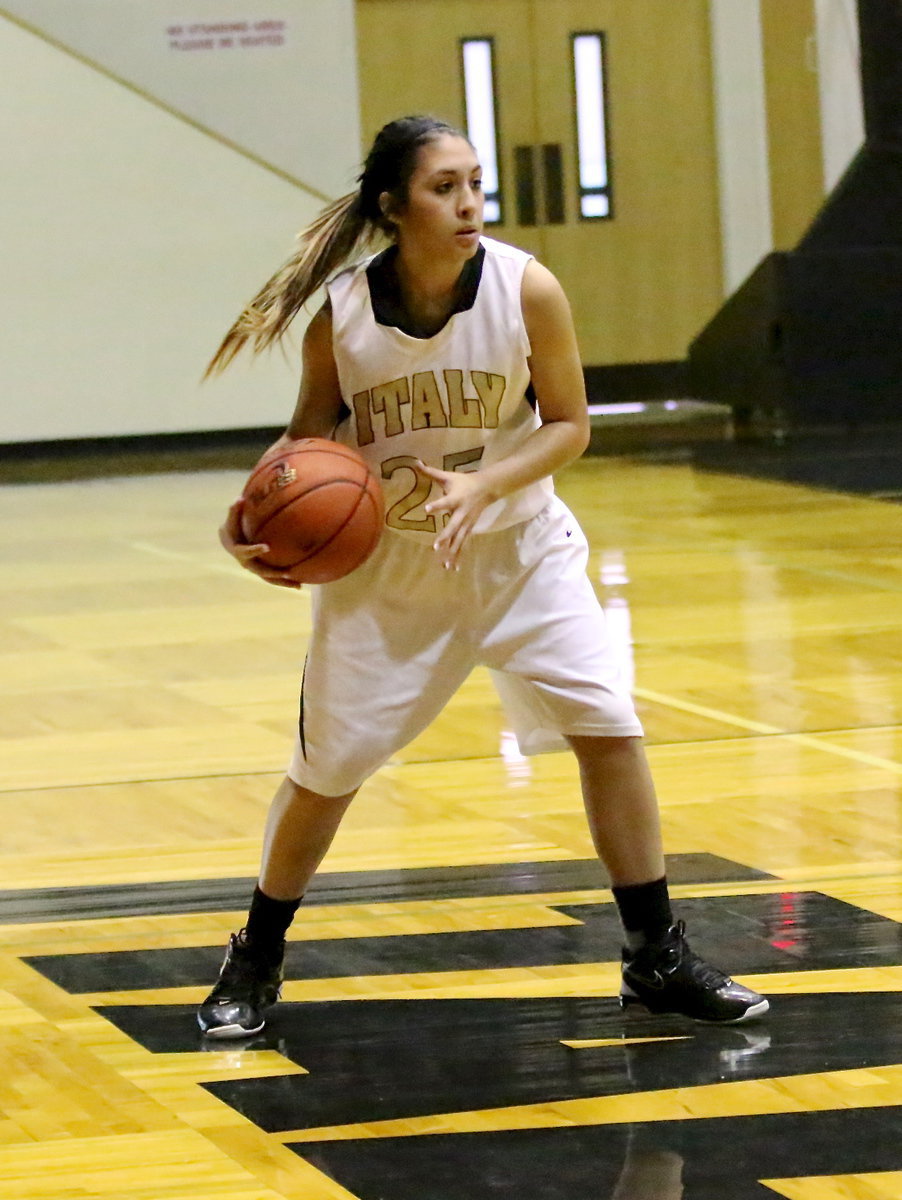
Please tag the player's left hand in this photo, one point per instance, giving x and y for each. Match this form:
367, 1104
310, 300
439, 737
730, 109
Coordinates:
465, 497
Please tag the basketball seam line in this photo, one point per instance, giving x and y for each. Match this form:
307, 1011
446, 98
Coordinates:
309, 491
322, 546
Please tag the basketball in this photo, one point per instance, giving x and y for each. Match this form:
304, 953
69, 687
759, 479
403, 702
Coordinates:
318, 507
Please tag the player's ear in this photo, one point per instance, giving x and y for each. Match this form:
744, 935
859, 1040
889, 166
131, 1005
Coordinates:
386, 205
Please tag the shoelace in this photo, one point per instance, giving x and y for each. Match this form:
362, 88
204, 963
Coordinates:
703, 971
700, 970
234, 970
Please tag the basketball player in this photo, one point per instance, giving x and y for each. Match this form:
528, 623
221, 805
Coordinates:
450, 361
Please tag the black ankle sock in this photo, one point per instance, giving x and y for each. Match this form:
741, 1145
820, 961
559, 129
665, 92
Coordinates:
644, 911
268, 920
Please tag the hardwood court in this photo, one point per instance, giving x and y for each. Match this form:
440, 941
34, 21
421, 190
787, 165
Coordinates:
448, 1027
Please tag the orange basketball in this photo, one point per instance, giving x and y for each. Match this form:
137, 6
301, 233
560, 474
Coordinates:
318, 507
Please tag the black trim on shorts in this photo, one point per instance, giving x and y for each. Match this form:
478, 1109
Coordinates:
301, 714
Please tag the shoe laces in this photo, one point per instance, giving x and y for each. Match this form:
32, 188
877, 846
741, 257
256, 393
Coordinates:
660, 961
264, 953
238, 970
701, 970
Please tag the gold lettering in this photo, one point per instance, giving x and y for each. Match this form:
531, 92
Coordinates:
387, 399
491, 393
464, 410
426, 403
361, 402
427, 407
417, 494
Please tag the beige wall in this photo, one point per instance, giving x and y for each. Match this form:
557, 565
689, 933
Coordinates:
131, 236
841, 108
253, 71
793, 117
740, 147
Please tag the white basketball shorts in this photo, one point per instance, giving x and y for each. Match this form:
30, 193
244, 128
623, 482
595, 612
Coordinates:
394, 640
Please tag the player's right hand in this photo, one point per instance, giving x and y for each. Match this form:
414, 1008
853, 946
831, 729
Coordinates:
247, 554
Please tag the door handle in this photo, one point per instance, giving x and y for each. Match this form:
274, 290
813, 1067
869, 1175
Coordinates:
539, 184
525, 183
553, 179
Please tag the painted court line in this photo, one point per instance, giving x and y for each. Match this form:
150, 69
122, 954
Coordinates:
801, 739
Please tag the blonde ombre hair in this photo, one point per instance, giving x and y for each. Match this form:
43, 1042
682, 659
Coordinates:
344, 228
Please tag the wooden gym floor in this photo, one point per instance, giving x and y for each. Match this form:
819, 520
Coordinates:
448, 1027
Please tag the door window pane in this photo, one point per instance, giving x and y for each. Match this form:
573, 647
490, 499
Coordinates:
482, 125
591, 125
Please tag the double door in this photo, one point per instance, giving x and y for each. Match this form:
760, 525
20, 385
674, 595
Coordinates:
643, 279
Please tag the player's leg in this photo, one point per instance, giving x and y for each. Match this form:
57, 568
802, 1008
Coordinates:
560, 680
384, 658
660, 971
300, 828
621, 807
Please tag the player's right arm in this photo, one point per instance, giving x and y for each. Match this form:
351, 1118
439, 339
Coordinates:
316, 414
319, 396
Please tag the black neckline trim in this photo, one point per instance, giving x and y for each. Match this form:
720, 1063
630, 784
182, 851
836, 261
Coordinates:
385, 291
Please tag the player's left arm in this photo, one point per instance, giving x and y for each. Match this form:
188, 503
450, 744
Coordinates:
555, 367
557, 378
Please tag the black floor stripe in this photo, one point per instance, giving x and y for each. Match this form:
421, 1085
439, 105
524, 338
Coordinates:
346, 887
758, 933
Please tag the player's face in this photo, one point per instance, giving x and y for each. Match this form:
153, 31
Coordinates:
443, 210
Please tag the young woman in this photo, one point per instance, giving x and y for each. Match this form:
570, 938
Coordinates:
450, 361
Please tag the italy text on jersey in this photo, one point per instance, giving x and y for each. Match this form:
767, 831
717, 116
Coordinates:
425, 401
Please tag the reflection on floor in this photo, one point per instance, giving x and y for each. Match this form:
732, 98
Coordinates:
865, 461
665, 1160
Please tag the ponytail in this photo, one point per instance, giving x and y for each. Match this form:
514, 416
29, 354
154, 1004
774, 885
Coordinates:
344, 227
325, 245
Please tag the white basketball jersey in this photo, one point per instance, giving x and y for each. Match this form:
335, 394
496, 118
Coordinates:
456, 401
